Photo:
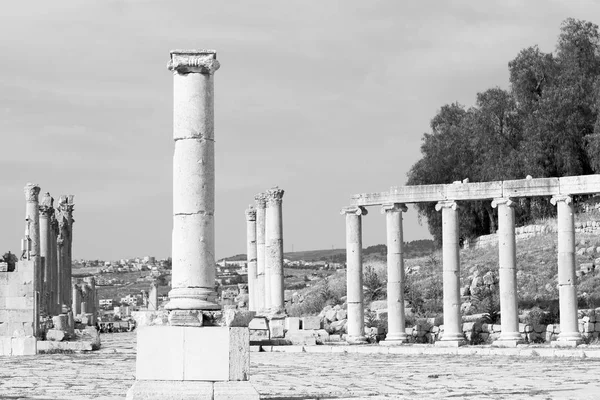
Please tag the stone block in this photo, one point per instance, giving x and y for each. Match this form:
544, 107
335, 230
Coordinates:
301, 338
176, 352
335, 338
55, 335
313, 322
257, 335
24, 346
292, 324
237, 318
468, 326
5, 346
165, 390
235, 391
258, 323
277, 328
331, 315
341, 314
321, 336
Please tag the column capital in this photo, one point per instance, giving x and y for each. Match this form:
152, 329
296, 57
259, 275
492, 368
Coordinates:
503, 200
46, 205
32, 191
561, 197
251, 213
274, 196
393, 207
66, 205
260, 200
446, 204
357, 210
193, 61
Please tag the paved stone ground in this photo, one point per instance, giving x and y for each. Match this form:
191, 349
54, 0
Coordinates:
108, 373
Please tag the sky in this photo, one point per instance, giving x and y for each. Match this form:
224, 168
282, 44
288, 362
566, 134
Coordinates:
324, 99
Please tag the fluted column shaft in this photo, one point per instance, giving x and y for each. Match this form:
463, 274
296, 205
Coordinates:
354, 274
251, 256
193, 284
395, 271
274, 248
260, 298
46, 209
451, 271
507, 260
567, 281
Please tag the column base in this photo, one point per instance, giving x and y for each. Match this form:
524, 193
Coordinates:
568, 339
356, 339
189, 390
192, 299
509, 339
507, 342
394, 339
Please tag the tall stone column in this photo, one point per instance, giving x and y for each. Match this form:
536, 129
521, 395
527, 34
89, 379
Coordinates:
354, 274
251, 256
186, 344
453, 335
54, 291
262, 293
46, 209
193, 285
66, 207
567, 283
274, 248
395, 271
64, 276
32, 217
507, 260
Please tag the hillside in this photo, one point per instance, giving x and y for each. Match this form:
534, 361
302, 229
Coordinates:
416, 248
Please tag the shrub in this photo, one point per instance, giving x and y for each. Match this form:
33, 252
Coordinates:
374, 284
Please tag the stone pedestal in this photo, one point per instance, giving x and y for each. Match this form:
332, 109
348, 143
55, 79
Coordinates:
451, 275
251, 257
354, 271
395, 268
274, 249
567, 281
225, 350
507, 259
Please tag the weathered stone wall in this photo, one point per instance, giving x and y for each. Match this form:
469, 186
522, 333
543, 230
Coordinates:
17, 310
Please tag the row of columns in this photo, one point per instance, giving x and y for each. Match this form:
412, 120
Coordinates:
264, 223
453, 334
48, 241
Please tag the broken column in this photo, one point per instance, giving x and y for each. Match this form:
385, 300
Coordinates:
274, 249
76, 307
251, 256
91, 300
453, 334
198, 360
153, 297
507, 260
261, 282
32, 251
567, 284
354, 274
395, 270
46, 209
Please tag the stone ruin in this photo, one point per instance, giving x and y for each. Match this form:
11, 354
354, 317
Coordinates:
36, 298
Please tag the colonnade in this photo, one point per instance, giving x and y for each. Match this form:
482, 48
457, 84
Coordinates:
48, 241
85, 299
453, 334
264, 223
